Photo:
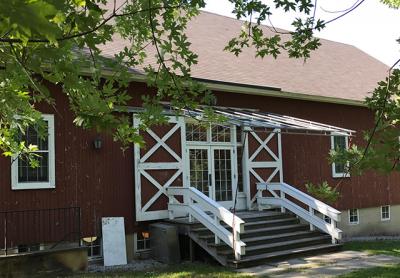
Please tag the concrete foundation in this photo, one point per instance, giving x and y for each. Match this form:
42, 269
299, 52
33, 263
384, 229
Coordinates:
44, 262
370, 223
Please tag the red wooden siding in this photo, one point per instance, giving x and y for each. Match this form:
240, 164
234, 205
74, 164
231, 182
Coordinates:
98, 181
101, 182
305, 158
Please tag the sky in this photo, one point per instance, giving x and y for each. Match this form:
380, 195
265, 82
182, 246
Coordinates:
371, 27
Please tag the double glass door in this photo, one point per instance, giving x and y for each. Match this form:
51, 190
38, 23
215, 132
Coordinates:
212, 172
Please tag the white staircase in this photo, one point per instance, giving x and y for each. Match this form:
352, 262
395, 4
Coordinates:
288, 223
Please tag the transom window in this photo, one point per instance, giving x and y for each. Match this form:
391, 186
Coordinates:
353, 216
26, 177
220, 133
339, 143
211, 134
196, 133
385, 213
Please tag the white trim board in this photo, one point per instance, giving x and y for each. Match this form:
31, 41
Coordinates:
142, 168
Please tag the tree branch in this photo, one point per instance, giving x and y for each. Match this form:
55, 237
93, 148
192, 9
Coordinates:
81, 34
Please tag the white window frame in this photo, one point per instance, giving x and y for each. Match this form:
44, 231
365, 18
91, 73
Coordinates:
385, 219
358, 217
209, 141
334, 173
135, 245
91, 246
16, 185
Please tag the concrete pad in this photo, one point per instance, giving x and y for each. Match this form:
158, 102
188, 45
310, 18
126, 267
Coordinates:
327, 265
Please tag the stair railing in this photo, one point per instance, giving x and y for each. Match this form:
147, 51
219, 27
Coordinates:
209, 213
326, 220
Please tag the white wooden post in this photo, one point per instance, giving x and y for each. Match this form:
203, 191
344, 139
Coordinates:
170, 211
259, 194
245, 170
283, 196
190, 205
237, 256
217, 223
311, 210
333, 226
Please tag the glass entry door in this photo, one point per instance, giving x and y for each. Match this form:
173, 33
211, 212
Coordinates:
211, 171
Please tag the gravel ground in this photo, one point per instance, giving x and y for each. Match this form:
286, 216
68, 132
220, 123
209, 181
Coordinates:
136, 265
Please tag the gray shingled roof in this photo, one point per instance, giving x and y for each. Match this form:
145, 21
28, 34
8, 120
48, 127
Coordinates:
334, 70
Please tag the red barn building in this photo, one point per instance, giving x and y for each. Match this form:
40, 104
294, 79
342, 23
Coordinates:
271, 105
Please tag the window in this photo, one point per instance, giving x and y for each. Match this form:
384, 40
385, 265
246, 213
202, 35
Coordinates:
353, 216
43, 176
338, 143
93, 245
385, 213
239, 151
240, 137
196, 133
221, 133
142, 241
23, 248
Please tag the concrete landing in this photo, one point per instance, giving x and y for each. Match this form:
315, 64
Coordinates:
327, 265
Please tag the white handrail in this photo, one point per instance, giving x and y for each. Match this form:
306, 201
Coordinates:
197, 205
308, 215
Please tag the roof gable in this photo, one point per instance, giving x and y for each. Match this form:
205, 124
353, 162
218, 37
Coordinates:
335, 70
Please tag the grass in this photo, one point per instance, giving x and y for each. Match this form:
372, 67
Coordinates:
380, 247
185, 270
390, 271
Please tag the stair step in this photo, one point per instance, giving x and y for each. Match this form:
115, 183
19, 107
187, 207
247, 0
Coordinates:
256, 259
280, 237
285, 237
287, 245
207, 237
274, 230
252, 225
206, 234
256, 216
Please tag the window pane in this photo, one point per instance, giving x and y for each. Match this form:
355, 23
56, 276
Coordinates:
240, 168
196, 133
199, 169
41, 173
223, 175
353, 216
239, 135
339, 168
385, 212
31, 137
339, 142
220, 133
140, 244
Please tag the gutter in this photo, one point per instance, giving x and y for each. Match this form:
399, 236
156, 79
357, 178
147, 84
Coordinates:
251, 90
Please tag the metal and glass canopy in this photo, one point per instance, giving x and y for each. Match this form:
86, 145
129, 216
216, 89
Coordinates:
251, 118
